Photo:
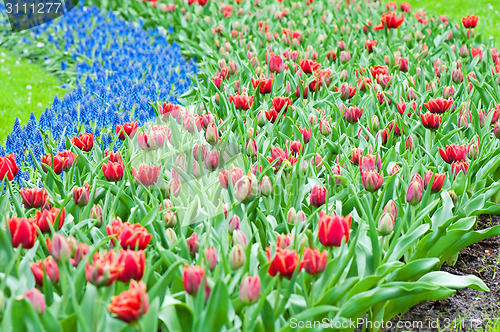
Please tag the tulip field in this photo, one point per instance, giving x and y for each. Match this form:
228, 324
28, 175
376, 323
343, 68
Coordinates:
247, 166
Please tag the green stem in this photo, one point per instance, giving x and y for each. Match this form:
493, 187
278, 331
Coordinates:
277, 299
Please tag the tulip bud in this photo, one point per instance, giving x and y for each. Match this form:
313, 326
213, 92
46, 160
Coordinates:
250, 290
252, 149
457, 76
247, 188
170, 235
35, 297
60, 248
212, 134
291, 216
496, 130
81, 195
386, 224
212, 160
375, 123
266, 187
318, 196
345, 56
193, 244
453, 196
472, 151
237, 257
169, 218
464, 51
239, 238
414, 193
409, 143
211, 257
96, 213
261, 119
234, 224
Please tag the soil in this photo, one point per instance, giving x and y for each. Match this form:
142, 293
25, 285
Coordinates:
467, 309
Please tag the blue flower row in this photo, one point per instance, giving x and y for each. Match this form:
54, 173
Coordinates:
121, 69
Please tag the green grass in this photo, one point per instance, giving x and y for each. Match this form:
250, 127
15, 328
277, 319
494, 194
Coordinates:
487, 10
25, 88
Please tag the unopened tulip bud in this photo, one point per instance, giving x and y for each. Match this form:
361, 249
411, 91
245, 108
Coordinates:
261, 119
237, 257
234, 224
386, 224
291, 216
211, 257
453, 196
170, 235
81, 195
266, 187
60, 248
250, 290
301, 217
391, 209
169, 218
464, 51
457, 76
375, 123
414, 193
409, 143
345, 56
239, 238
324, 127
496, 130
212, 134
193, 244
252, 149
473, 151
96, 213
35, 297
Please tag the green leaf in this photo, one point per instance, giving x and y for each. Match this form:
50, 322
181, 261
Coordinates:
453, 281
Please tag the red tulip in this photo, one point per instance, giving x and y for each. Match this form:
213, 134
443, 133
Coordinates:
46, 267
131, 304
169, 109
33, 197
81, 251
389, 20
193, 243
57, 163
318, 196
130, 236
276, 64
146, 175
8, 167
371, 180
453, 153
241, 102
437, 183
284, 262
266, 85
470, 21
133, 264
23, 232
438, 105
129, 129
44, 217
370, 163
191, 278
103, 269
85, 142
459, 166
313, 261
406, 7
431, 121
306, 134
284, 240
333, 229
113, 171
308, 66
353, 114
370, 44
281, 103
347, 91
414, 193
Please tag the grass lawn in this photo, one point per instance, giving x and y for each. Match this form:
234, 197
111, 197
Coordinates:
26, 88
487, 10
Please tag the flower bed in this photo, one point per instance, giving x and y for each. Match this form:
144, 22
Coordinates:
323, 168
